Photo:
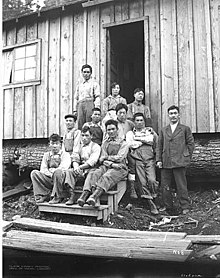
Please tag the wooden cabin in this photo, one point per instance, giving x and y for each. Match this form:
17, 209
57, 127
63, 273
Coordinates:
169, 47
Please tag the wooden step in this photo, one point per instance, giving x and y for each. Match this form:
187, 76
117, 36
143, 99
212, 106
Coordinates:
100, 212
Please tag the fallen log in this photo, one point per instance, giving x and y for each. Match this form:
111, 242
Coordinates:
21, 188
97, 246
71, 229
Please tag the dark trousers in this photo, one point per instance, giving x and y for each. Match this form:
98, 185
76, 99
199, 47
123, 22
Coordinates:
179, 175
84, 112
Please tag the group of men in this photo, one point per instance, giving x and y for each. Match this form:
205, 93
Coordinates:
123, 144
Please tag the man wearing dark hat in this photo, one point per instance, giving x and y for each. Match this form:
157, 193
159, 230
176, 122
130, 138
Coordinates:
72, 136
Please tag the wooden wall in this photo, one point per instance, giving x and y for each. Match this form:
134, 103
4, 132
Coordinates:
184, 62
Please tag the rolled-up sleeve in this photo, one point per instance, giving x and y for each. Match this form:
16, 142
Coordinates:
65, 161
94, 156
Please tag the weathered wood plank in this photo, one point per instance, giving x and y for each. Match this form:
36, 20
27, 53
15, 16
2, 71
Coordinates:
71, 229
20, 32
215, 31
18, 113
151, 9
42, 90
66, 86
168, 57
6, 225
31, 30
135, 8
93, 41
54, 75
18, 190
29, 113
78, 59
125, 10
213, 250
116, 248
204, 239
186, 63
11, 35
8, 117
201, 66
118, 11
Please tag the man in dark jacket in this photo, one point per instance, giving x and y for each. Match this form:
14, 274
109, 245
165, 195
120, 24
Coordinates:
174, 152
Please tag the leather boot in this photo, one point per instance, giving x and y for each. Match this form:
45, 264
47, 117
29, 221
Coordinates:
71, 198
94, 197
133, 193
153, 208
82, 199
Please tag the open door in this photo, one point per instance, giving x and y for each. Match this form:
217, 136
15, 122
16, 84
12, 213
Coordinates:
126, 57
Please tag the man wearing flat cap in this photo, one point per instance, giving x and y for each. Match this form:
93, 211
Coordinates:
72, 136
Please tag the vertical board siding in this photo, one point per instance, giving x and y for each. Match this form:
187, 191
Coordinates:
42, 90
8, 118
66, 68
215, 31
19, 120
169, 75
151, 9
54, 75
78, 60
29, 112
186, 63
182, 62
201, 65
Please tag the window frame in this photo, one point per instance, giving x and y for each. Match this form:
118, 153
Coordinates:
35, 81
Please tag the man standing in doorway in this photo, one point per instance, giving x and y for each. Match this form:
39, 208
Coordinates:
87, 96
175, 148
137, 106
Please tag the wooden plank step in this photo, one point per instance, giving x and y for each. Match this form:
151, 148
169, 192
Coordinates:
90, 246
71, 229
6, 225
101, 212
204, 239
213, 250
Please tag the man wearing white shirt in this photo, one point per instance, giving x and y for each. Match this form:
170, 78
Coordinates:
86, 97
83, 159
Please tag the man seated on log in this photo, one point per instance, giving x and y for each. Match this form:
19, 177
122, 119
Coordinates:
71, 138
83, 159
113, 166
142, 142
95, 126
52, 171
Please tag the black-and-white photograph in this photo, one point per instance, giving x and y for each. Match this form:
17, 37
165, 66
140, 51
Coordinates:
110, 138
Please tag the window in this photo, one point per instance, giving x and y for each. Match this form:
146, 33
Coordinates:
21, 63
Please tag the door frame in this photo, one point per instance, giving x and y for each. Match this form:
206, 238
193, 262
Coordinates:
107, 27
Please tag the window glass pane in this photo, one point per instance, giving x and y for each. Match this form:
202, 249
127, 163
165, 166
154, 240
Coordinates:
30, 73
30, 62
31, 50
19, 75
19, 64
20, 52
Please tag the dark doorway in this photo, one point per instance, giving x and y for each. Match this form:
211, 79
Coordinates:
126, 57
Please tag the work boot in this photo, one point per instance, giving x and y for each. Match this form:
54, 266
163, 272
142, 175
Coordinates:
55, 200
82, 199
71, 198
133, 193
153, 208
42, 199
94, 197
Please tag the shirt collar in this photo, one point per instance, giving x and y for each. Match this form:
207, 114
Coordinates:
59, 153
137, 103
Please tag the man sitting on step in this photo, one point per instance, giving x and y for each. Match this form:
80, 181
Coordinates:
113, 166
52, 171
83, 159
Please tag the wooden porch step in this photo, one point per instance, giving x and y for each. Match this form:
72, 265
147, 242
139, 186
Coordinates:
100, 212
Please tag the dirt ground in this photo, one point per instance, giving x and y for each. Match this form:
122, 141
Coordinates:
203, 218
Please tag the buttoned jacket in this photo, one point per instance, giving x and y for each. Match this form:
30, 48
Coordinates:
175, 149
